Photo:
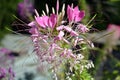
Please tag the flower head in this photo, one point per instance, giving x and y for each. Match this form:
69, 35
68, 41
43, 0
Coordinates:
54, 42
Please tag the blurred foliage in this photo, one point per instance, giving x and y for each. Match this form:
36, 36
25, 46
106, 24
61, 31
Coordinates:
7, 10
107, 11
107, 63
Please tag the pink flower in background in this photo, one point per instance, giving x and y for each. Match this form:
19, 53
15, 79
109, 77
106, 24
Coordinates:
115, 29
74, 14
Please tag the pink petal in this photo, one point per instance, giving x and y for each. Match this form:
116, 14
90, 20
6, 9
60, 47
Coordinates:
73, 33
70, 54
76, 9
45, 20
40, 21
34, 31
70, 13
82, 28
74, 14
52, 20
60, 28
67, 28
32, 24
80, 16
60, 36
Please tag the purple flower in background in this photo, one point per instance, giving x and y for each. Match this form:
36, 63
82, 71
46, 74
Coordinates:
5, 50
11, 73
25, 8
6, 60
3, 72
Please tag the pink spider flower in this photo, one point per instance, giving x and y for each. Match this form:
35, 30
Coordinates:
74, 14
50, 48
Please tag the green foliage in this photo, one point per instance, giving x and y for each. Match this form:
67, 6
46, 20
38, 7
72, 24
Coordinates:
83, 76
107, 12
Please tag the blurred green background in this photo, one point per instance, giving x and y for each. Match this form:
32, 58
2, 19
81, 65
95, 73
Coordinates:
106, 11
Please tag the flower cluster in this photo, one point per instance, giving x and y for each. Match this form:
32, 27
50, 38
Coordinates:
58, 41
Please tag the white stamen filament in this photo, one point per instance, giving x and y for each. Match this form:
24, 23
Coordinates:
53, 10
47, 9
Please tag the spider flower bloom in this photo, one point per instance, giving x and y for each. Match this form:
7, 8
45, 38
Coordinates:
74, 14
61, 36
